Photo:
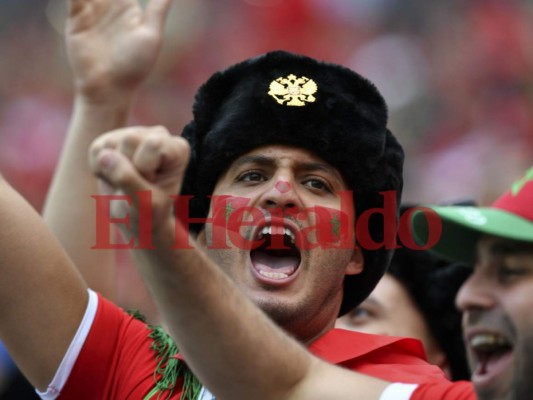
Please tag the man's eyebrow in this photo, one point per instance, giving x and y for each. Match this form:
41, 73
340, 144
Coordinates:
504, 248
254, 159
318, 166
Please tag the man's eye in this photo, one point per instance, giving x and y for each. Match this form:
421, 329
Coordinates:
361, 314
318, 184
507, 274
251, 176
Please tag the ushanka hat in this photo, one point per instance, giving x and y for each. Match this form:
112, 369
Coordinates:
288, 99
432, 283
509, 217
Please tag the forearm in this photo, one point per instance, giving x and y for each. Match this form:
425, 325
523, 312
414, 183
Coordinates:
210, 320
42, 297
70, 210
112, 47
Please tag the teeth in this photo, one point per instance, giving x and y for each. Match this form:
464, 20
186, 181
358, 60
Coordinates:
267, 230
487, 339
290, 234
273, 275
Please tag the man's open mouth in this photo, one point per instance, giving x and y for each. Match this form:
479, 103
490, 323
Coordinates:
278, 257
493, 353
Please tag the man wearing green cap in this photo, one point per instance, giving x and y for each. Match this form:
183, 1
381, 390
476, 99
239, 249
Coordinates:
497, 298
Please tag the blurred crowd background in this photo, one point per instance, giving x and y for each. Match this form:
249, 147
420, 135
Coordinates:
457, 75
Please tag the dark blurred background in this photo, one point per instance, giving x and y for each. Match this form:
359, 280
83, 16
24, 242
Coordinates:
457, 75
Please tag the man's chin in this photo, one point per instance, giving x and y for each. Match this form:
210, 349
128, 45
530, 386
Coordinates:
522, 387
280, 311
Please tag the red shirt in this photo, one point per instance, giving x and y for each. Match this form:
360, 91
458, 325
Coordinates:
386, 357
392, 359
117, 362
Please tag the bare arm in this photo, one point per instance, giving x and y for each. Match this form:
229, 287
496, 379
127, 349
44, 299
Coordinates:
42, 297
112, 46
228, 342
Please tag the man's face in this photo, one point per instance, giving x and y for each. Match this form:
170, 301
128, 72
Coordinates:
390, 310
497, 301
297, 284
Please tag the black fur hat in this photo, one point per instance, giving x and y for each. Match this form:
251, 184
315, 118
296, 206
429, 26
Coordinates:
432, 283
283, 98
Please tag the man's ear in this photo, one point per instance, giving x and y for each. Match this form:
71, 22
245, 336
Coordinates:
357, 263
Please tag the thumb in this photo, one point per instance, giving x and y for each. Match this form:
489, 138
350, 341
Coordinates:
121, 177
118, 177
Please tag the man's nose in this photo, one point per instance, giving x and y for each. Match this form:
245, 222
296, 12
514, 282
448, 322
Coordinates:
282, 194
476, 293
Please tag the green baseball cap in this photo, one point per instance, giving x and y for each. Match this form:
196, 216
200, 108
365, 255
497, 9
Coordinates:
510, 217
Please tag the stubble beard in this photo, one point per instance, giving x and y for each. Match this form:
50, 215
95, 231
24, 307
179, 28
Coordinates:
522, 384
522, 387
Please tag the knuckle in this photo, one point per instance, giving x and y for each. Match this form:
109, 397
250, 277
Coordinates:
135, 132
129, 142
95, 149
109, 142
184, 144
160, 129
122, 176
153, 142
130, 130
182, 148
106, 140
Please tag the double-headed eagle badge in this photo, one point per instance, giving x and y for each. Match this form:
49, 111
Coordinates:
293, 91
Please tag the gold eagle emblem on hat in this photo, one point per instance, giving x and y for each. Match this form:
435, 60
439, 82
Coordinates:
293, 91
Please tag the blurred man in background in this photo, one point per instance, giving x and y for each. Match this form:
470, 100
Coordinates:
416, 298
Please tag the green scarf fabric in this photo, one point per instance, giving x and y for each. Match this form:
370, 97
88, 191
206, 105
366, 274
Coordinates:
169, 368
